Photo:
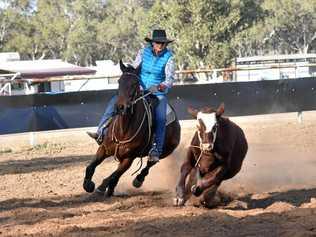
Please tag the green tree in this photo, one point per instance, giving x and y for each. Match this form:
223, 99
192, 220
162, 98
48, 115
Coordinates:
15, 27
291, 25
82, 45
120, 31
204, 29
51, 23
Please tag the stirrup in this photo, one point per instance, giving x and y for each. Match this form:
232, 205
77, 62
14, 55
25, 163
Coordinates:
107, 123
153, 155
99, 139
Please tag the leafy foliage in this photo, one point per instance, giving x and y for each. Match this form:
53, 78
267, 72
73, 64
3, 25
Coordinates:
207, 33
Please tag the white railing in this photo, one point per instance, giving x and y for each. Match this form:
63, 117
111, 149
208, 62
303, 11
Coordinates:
182, 76
5, 89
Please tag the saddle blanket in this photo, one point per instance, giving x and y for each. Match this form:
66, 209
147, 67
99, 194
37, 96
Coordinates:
170, 115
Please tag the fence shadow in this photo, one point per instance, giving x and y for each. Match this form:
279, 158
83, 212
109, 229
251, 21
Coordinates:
41, 164
293, 197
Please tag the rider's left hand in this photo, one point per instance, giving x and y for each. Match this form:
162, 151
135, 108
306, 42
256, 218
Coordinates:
162, 87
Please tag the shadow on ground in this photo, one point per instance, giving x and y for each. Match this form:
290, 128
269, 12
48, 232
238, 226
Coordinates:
42, 164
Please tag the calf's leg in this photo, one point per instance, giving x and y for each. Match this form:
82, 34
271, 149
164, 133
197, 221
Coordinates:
214, 177
180, 188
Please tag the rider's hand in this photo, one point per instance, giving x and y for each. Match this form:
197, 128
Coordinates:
162, 87
153, 89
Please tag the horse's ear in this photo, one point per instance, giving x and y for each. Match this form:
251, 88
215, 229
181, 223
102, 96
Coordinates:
193, 112
220, 110
138, 69
122, 66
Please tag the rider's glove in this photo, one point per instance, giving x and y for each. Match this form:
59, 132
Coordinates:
162, 87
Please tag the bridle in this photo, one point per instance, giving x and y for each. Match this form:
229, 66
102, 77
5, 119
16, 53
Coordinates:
146, 114
138, 98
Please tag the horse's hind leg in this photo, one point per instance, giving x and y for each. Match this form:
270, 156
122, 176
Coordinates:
110, 182
88, 184
139, 179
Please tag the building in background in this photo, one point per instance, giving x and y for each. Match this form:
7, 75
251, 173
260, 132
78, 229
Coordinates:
107, 75
275, 67
12, 69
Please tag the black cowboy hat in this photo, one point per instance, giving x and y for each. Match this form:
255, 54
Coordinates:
159, 36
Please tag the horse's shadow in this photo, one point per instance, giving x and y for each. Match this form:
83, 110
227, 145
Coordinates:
62, 207
293, 197
78, 200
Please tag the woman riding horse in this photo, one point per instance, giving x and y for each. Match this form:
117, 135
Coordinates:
129, 134
157, 75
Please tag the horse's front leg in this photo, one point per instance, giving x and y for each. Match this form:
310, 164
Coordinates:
110, 182
140, 178
88, 184
208, 185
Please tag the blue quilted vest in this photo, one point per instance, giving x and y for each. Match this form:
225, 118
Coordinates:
153, 68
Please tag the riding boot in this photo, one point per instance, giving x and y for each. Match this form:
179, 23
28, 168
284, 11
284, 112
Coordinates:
98, 136
154, 154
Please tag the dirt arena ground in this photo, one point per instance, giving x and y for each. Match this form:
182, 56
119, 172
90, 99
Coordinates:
274, 194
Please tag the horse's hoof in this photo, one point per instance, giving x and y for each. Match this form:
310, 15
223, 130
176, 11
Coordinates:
178, 202
137, 183
88, 185
99, 192
109, 193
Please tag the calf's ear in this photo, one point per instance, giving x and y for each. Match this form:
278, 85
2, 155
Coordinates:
220, 110
193, 112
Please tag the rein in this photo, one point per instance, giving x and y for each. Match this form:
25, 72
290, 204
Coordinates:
141, 97
147, 113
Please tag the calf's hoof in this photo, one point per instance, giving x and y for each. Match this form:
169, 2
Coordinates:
178, 202
88, 185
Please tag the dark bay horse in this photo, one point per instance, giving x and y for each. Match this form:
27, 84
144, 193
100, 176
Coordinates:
216, 153
129, 134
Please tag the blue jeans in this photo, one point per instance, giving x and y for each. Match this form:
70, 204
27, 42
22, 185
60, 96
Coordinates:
109, 112
160, 122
